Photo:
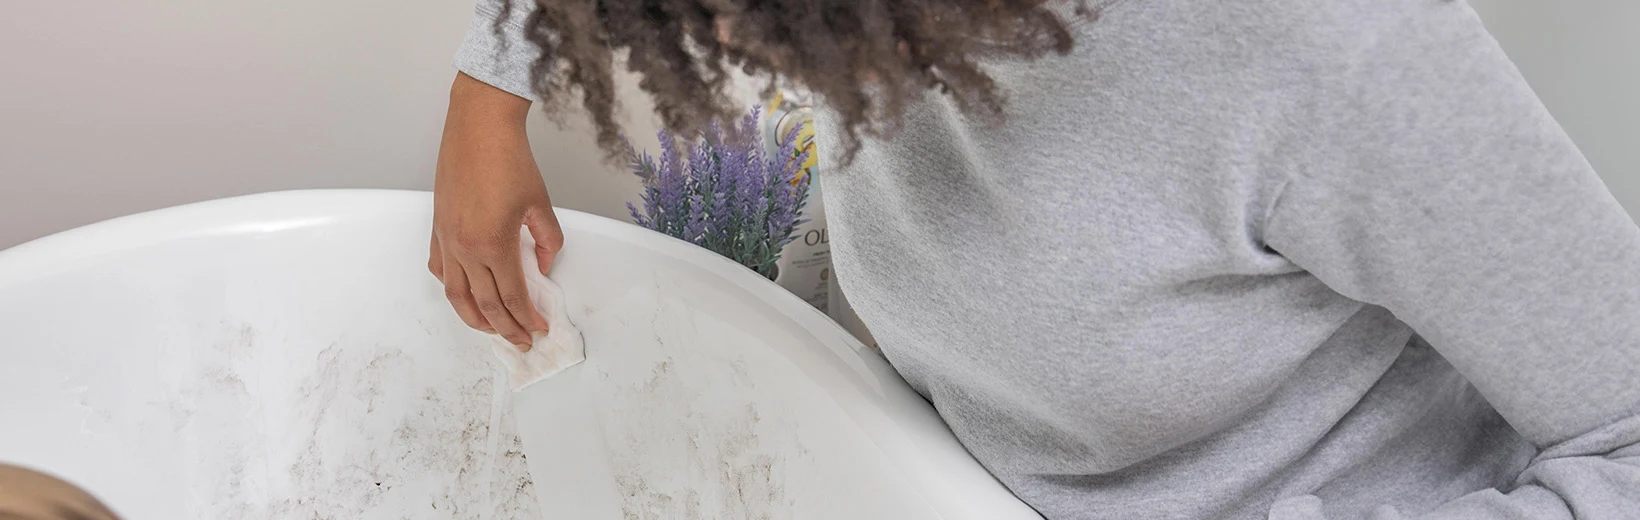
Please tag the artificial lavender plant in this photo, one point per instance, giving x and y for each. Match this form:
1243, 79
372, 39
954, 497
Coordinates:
725, 193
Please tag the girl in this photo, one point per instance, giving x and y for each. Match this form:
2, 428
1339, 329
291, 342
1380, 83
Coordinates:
1149, 258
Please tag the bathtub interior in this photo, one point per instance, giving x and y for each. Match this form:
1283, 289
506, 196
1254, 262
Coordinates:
287, 355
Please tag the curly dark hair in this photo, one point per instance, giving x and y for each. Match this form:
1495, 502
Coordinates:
863, 58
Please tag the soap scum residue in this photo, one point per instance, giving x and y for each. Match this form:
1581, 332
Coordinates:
267, 429
723, 455
689, 434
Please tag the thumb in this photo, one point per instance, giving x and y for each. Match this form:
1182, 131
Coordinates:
549, 238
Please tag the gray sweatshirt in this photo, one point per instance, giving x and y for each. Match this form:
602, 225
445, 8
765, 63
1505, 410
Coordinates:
1247, 259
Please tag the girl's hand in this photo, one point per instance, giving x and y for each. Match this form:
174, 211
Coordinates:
488, 185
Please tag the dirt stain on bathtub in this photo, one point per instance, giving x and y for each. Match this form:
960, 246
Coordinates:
358, 430
686, 433
722, 456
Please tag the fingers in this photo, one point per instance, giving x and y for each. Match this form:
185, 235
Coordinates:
489, 304
484, 280
460, 293
549, 237
515, 296
435, 259
26, 493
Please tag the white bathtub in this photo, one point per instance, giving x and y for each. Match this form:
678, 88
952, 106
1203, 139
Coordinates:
288, 356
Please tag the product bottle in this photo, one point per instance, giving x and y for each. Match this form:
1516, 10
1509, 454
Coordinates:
805, 264
804, 267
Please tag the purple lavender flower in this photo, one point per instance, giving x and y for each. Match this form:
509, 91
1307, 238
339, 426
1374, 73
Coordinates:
693, 223
787, 194
643, 166
727, 195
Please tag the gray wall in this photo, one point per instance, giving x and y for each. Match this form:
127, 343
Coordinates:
109, 107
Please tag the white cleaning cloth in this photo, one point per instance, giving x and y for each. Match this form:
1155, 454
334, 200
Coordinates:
550, 353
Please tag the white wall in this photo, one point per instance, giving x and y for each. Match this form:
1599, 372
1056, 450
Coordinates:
1583, 59
109, 107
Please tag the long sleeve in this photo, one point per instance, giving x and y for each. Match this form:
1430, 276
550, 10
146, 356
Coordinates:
1438, 187
495, 51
